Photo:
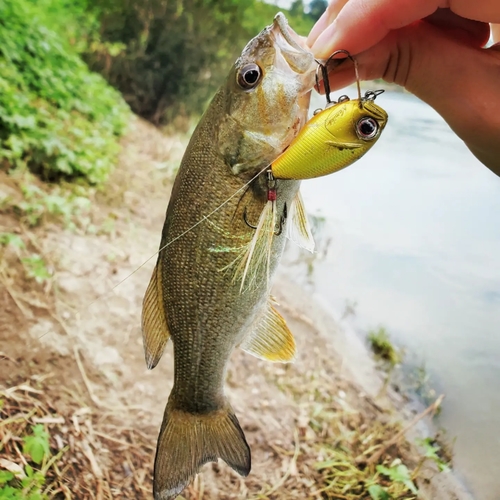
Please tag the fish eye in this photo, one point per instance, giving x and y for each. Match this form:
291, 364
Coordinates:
249, 76
367, 128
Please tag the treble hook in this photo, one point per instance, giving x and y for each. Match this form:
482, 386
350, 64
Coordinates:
324, 73
246, 220
281, 223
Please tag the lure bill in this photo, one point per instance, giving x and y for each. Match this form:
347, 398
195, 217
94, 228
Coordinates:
332, 139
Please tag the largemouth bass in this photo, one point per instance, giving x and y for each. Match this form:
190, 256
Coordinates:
208, 292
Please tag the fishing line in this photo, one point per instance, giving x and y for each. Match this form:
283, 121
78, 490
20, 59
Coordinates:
203, 219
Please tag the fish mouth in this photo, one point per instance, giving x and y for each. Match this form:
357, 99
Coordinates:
293, 39
292, 46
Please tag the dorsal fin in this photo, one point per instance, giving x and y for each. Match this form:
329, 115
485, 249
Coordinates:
155, 332
271, 339
299, 230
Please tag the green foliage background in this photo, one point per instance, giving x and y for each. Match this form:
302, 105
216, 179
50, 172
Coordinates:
56, 117
166, 57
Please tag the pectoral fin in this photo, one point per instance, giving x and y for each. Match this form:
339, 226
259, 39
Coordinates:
344, 145
271, 339
155, 332
299, 230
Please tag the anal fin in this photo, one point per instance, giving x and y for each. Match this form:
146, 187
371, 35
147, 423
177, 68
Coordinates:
271, 339
155, 332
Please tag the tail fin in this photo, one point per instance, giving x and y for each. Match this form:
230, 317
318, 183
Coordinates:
187, 441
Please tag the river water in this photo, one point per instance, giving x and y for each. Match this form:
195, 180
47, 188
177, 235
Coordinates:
411, 236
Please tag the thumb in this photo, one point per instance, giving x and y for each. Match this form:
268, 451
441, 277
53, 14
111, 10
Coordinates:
457, 78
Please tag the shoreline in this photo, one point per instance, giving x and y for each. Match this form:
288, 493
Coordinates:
359, 366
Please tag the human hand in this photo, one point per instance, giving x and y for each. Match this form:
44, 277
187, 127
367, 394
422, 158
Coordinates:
435, 53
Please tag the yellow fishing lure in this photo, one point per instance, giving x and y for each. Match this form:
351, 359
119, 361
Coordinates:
332, 139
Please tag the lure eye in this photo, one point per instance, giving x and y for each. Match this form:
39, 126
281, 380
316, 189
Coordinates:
249, 76
367, 128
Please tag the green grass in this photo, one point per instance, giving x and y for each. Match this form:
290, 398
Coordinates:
57, 118
383, 348
28, 482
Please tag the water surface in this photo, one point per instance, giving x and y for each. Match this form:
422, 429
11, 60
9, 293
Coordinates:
414, 240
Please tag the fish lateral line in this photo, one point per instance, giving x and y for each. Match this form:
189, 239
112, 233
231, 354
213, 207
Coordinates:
178, 237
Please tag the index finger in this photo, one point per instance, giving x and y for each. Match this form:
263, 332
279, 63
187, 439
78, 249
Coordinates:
361, 24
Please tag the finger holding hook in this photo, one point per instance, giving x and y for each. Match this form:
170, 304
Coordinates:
331, 64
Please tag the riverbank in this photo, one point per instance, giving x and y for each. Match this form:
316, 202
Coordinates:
72, 361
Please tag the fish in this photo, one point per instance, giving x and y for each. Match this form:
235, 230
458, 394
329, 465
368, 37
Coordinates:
332, 139
208, 292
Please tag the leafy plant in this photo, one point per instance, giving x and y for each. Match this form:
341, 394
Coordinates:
5, 477
345, 471
399, 473
26, 488
37, 445
432, 451
56, 117
168, 58
378, 493
382, 346
36, 268
27, 484
56, 202
11, 239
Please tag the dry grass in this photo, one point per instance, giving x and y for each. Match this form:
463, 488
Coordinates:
342, 438
92, 456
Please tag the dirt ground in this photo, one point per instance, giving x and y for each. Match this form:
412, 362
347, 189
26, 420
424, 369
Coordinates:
71, 357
